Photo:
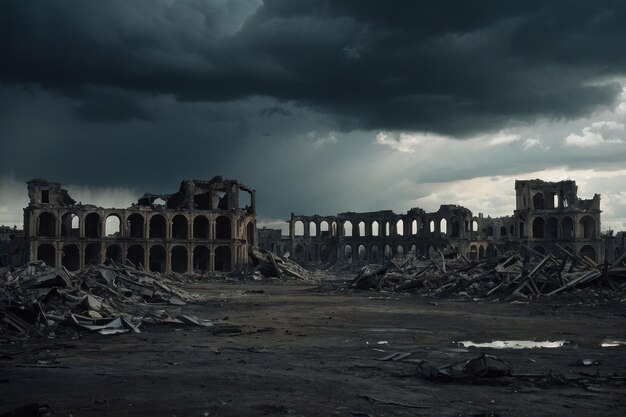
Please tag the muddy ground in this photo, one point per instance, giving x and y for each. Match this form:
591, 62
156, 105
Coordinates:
303, 353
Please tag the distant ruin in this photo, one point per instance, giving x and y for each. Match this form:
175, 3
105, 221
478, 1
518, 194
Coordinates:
206, 226
547, 215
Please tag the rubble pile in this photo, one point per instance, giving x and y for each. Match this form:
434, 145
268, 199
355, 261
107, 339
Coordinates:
528, 274
39, 300
267, 265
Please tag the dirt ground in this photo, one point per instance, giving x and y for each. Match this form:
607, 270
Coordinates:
304, 353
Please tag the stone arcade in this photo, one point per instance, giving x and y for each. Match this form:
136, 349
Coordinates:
547, 214
206, 226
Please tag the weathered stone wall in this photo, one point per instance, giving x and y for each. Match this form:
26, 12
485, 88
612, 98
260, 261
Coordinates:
175, 236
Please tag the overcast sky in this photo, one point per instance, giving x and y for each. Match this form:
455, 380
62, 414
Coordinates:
321, 106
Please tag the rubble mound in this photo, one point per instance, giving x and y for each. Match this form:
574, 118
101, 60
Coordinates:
39, 300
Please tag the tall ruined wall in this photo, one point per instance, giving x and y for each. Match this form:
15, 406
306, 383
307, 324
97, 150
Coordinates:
206, 226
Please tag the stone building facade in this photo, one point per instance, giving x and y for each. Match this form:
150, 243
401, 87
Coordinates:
206, 226
547, 214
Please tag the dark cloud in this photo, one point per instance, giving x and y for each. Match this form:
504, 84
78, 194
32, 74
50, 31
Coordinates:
449, 67
275, 111
111, 107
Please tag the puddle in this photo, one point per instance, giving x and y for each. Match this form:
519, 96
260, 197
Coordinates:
613, 343
515, 344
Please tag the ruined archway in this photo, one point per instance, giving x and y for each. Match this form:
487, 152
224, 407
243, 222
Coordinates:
324, 229
200, 227
157, 258
222, 228
362, 228
93, 225
298, 228
387, 253
70, 225
179, 259
374, 253
347, 228
92, 253
46, 225
222, 259
201, 259
375, 227
114, 253
70, 257
362, 253
587, 227
180, 227
455, 228
112, 226
588, 251
538, 201
157, 227
135, 255
47, 253
347, 253
299, 252
400, 227
135, 225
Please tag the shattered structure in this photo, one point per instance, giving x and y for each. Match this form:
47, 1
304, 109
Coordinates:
547, 215
206, 226
11, 246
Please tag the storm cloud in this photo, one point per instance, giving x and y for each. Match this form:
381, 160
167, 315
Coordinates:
326, 99
447, 67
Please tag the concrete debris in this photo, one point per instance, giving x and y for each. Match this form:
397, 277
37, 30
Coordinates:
42, 301
526, 274
490, 370
267, 265
483, 366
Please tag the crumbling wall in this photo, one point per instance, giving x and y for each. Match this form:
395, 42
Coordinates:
202, 228
547, 214
551, 213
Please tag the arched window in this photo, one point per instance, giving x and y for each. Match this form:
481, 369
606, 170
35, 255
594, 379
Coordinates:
112, 226
222, 228
46, 226
180, 227
375, 228
347, 228
400, 227
298, 228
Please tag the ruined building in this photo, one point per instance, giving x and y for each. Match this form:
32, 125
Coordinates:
547, 214
206, 226
11, 246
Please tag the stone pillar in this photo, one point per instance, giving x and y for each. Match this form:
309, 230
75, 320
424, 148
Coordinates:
190, 249
168, 256
81, 224
59, 254
57, 229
